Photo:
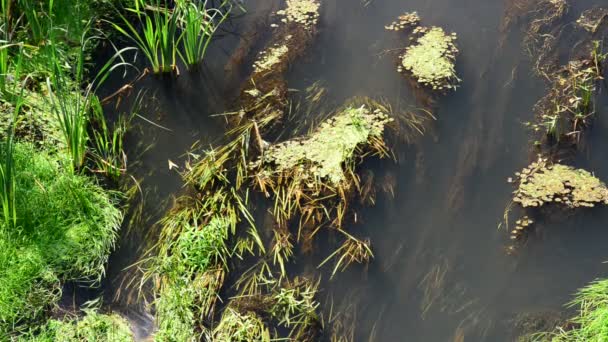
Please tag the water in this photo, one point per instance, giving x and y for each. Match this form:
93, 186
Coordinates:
440, 271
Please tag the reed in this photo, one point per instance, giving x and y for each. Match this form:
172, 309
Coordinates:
199, 24
158, 37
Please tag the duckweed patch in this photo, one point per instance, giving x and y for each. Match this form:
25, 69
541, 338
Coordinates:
302, 12
324, 154
431, 59
542, 182
406, 20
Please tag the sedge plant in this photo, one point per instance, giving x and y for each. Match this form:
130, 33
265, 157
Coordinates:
199, 24
158, 37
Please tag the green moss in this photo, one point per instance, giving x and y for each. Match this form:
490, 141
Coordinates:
431, 59
93, 327
542, 183
65, 230
323, 154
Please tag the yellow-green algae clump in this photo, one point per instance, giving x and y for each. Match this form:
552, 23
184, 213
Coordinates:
431, 59
542, 183
323, 153
304, 12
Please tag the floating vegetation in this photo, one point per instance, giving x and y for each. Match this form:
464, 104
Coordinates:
406, 20
323, 154
591, 19
302, 12
430, 57
269, 58
542, 182
265, 91
299, 173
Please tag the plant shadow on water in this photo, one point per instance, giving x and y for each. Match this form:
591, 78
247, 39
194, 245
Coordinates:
440, 271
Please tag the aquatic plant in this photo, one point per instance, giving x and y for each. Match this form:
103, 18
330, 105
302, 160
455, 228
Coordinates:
591, 19
93, 326
568, 106
431, 58
158, 37
269, 58
302, 12
542, 182
301, 173
199, 24
352, 251
66, 226
245, 327
406, 20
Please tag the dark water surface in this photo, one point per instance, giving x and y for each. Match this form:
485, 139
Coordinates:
440, 270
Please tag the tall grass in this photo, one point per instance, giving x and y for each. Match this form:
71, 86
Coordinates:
591, 323
71, 106
157, 39
163, 33
199, 25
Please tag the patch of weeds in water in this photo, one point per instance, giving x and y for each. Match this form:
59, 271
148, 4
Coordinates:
591, 19
569, 107
265, 91
94, 326
66, 226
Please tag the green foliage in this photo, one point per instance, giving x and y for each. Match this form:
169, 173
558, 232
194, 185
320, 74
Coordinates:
66, 226
238, 327
198, 24
327, 150
93, 327
591, 323
158, 37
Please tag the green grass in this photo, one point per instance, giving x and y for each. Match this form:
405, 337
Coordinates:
158, 37
198, 24
66, 226
591, 323
94, 327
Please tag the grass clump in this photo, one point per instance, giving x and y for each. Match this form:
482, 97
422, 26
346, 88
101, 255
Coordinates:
64, 230
591, 323
246, 327
431, 59
93, 327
